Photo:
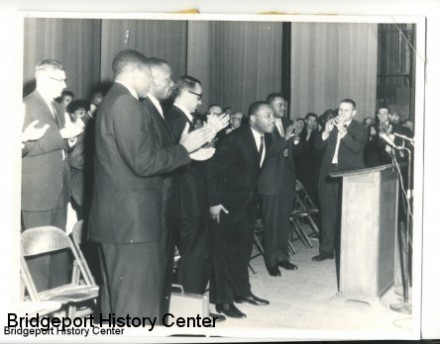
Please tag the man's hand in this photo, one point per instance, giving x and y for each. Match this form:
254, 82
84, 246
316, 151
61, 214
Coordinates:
329, 126
32, 133
340, 125
197, 138
298, 126
215, 212
70, 131
218, 122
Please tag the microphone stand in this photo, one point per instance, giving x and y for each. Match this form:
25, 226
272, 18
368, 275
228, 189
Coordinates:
404, 234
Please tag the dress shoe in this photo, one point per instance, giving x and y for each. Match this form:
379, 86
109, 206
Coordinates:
252, 299
323, 256
287, 265
229, 310
219, 317
274, 271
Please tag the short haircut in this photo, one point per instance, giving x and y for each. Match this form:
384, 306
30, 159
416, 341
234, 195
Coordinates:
67, 93
349, 101
383, 106
212, 105
255, 106
157, 62
185, 82
78, 104
271, 97
128, 59
311, 114
48, 64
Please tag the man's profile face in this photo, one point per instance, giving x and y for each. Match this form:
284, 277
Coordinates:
346, 111
383, 115
263, 119
279, 107
162, 82
54, 82
194, 97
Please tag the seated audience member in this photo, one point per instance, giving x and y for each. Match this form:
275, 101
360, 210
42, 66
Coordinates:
234, 121
307, 162
66, 98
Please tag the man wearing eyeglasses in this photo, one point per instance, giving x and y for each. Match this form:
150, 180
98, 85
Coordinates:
45, 171
193, 236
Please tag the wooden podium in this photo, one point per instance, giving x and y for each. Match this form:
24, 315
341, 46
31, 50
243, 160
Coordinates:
368, 232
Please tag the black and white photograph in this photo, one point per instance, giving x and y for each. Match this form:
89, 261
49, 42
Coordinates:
234, 176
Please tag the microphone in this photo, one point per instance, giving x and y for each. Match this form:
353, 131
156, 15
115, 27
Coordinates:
404, 137
388, 140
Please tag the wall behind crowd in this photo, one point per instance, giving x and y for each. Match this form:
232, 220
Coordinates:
237, 62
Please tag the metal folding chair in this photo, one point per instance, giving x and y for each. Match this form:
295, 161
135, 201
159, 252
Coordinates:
46, 240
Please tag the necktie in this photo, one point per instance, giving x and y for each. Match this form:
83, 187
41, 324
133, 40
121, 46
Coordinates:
55, 113
261, 150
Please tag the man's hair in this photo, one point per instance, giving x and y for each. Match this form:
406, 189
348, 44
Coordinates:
255, 106
349, 101
128, 59
67, 93
156, 62
311, 114
383, 106
48, 64
271, 97
185, 82
78, 104
215, 104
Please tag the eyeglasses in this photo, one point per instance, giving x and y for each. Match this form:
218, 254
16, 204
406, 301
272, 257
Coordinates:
199, 96
56, 79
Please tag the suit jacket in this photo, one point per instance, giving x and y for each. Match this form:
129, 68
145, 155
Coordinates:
278, 171
307, 162
44, 172
351, 148
191, 179
134, 155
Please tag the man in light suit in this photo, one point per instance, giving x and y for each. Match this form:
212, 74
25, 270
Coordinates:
45, 171
343, 141
276, 186
134, 156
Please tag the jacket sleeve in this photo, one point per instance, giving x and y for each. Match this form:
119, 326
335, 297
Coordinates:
319, 143
135, 137
355, 139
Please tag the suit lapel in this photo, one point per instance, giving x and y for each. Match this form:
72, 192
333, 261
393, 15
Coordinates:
252, 147
45, 111
162, 125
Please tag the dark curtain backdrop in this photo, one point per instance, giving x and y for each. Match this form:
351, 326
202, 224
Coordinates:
158, 38
74, 42
237, 62
331, 62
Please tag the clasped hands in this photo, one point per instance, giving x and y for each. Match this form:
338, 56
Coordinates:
294, 130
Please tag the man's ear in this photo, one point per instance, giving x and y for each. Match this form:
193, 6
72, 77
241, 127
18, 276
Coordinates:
354, 113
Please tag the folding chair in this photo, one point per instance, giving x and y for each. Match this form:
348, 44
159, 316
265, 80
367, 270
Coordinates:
45, 240
76, 236
258, 234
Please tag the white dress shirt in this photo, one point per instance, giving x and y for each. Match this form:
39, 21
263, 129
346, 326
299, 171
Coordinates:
185, 111
257, 138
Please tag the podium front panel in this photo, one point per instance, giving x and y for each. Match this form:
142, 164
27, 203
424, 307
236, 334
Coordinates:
368, 227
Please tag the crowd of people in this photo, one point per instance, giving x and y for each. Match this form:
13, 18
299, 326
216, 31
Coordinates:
148, 174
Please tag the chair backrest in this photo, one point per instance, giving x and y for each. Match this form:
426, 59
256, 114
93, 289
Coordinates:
44, 239
77, 232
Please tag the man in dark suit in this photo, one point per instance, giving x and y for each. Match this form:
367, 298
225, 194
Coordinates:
134, 155
276, 186
45, 171
307, 163
232, 183
193, 239
343, 141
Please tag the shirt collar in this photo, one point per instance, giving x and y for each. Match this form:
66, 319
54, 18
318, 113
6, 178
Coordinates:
185, 111
257, 136
156, 103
